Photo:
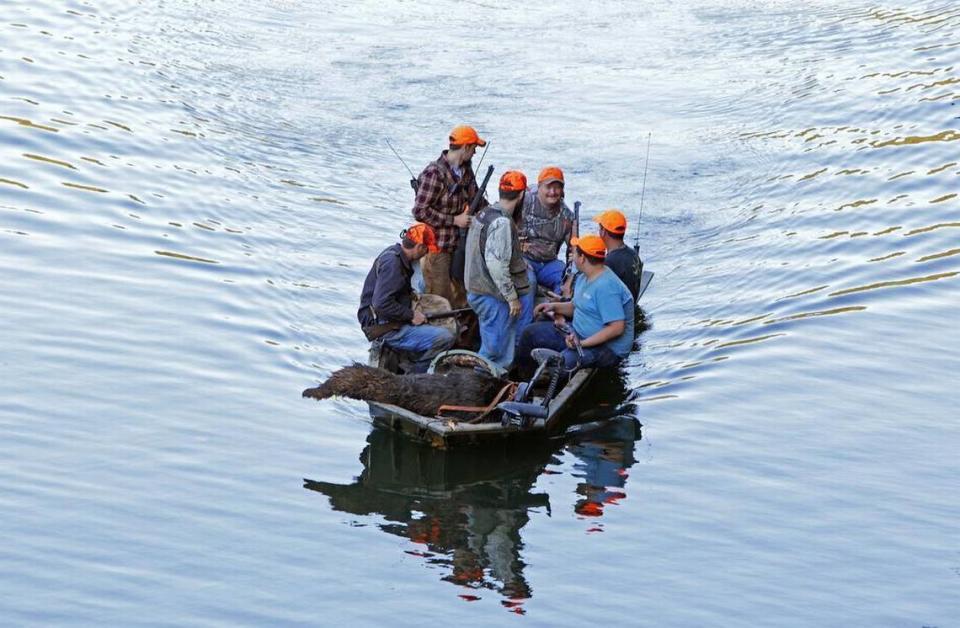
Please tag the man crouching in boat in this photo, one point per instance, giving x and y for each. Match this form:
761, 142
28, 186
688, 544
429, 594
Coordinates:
386, 302
496, 273
602, 311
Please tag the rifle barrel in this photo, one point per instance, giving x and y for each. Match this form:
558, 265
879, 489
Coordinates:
481, 190
447, 314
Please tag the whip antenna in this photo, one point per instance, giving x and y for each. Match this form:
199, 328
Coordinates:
413, 179
643, 191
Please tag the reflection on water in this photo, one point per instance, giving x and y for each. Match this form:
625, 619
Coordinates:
602, 464
190, 197
464, 511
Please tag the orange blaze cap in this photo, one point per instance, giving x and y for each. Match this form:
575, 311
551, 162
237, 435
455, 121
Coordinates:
591, 245
513, 181
549, 174
464, 135
421, 233
612, 220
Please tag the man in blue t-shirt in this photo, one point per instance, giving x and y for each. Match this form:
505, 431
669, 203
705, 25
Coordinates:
602, 311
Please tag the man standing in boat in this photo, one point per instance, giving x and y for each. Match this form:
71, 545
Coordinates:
386, 302
444, 191
495, 272
621, 259
602, 311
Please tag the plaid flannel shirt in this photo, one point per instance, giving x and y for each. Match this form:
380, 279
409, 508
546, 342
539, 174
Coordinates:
440, 197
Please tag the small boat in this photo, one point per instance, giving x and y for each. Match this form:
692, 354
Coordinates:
445, 432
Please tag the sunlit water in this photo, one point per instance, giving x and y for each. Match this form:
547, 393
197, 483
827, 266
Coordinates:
191, 194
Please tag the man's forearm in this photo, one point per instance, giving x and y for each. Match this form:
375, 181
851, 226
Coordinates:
609, 332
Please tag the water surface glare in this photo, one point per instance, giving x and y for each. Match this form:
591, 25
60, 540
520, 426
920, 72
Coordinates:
191, 194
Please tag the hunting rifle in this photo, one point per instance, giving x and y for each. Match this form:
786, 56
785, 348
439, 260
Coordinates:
375, 331
567, 329
460, 254
448, 313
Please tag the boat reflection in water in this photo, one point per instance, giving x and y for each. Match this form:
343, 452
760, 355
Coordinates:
464, 509
603, 448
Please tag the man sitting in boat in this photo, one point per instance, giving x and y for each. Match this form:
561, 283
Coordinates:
621, 259
602, 311
386, 303
496, 273
546, 224
444, 190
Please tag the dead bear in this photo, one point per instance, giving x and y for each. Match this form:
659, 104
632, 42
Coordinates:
422, 393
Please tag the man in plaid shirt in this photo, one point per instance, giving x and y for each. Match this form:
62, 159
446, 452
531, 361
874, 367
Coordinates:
446, 187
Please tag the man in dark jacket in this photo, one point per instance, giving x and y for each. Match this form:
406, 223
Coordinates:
386, 302
621, 259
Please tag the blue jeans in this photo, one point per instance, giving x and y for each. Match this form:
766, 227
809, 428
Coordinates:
421, 342
497, 330
527, 301
547, 274
546, 335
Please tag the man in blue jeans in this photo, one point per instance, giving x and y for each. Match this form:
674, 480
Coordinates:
545, 225
386, 301
496, 273
602, 312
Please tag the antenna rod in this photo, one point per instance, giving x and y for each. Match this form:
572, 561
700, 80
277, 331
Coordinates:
643, 191
413, 178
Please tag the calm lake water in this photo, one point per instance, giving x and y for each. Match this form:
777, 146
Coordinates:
192, 192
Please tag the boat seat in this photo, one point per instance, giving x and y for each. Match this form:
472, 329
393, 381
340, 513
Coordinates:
543, 355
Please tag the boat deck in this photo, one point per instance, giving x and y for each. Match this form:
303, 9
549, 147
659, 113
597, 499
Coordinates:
444, 432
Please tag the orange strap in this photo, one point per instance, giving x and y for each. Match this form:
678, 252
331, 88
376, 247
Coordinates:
506, 391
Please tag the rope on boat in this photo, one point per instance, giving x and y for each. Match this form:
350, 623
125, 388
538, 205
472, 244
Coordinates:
506, 392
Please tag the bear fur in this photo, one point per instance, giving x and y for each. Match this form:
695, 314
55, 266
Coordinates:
422, 393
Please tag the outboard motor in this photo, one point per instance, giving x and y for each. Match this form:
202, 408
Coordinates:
521, 411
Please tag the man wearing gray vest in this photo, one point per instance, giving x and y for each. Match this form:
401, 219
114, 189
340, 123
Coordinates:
496, 273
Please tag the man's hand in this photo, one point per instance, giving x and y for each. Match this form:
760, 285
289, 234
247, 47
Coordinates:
542, 308
419, 318
571, 340
463, 219
559, 320
514, 308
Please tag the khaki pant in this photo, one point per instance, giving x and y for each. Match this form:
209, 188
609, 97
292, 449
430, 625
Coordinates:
437, 280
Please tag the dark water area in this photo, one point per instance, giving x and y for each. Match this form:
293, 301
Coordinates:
192, 192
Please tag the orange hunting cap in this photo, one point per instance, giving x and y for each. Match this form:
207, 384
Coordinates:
550, 174
612, 220
513, 181
464, 135
421, 233
590, 245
